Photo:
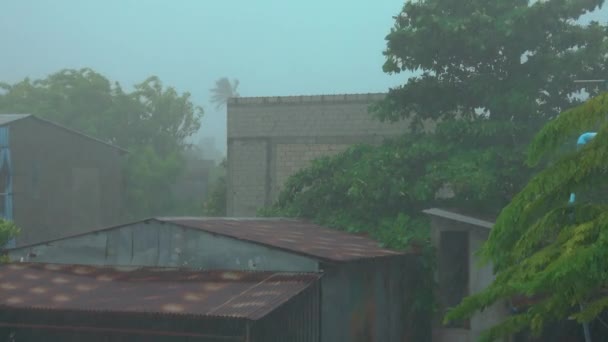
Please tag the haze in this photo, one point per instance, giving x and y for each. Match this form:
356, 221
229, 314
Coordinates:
274, 47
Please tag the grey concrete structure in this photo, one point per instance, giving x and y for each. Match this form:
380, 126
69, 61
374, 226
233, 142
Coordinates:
63, 182
364, 289
270, 138
457, 238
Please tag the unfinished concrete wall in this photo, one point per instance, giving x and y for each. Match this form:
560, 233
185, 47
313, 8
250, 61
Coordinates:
271, 138
163, 245
478, 278
481, 278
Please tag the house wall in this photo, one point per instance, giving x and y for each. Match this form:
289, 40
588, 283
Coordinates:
366, 301
271, 138
478, 279
301, 315
63, 183
164, 245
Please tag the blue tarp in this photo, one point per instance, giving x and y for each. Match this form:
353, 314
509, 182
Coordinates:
583, 139
6, 164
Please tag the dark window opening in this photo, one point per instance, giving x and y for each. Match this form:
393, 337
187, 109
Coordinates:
453, 272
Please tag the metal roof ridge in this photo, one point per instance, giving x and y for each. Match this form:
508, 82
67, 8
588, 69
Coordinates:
185, 223
458, 217
82, 134
92, 231
20, 116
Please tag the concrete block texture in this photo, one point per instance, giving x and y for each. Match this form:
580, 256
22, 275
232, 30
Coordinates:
291, 158
271, 138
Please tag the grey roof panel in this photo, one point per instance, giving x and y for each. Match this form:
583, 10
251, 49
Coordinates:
10, 118
458, 217
6, 119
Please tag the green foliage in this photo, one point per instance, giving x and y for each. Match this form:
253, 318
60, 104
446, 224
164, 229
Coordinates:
511, 59
540, 246
381, 190
8, 230
152, 122
216, 203
224, 90
491, 73
150, 178
365, 184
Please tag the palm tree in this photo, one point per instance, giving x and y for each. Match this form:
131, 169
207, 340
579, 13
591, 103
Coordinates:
224, 90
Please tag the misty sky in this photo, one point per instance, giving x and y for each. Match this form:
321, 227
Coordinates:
274, 47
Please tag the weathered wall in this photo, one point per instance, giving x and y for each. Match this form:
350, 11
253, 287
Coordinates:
64, 183
368, 301
478, 279
271, 138
301, 315
163, 245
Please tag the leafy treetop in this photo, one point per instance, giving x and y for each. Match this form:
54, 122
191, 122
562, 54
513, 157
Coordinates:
152, 122
223, 90
506, 59
542, 247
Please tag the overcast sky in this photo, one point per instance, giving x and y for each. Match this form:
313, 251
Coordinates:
274, 47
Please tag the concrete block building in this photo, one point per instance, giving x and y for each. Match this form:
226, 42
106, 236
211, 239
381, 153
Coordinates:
271, 138
457, 238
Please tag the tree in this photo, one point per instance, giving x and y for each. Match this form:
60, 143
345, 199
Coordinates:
489, 75
508, 60
8, 230
152, 122
513, 62
544, 248
223, 91
381, 191
216, 203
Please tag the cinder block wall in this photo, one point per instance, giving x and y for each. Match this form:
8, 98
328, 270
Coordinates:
271, 138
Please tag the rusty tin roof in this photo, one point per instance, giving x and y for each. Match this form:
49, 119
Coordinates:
291, 235
235, 294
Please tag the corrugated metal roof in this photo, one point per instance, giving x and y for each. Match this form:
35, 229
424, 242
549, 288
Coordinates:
292, 235
458, 217
6, 119
238, 294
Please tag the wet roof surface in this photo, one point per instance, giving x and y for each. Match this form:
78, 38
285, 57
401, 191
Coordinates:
249, 295
291, 235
